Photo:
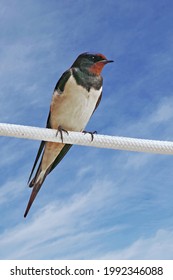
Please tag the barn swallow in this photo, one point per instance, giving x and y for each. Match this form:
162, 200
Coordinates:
76, 96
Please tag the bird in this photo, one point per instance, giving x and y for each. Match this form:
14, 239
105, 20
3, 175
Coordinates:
76, 96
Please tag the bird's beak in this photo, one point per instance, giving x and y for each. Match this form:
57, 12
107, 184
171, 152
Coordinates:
105, 61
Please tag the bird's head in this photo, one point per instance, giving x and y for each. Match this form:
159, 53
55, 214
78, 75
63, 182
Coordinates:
92, 63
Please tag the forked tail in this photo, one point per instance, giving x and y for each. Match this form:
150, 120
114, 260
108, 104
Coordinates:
36, 183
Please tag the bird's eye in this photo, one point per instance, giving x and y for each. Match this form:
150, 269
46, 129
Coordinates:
93, 57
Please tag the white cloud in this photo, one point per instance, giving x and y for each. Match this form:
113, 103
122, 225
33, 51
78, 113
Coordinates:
159, 246
138, 160
163, 112
84, 170
155, 121
11, 190
58, 225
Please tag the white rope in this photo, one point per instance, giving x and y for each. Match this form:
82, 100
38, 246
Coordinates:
79, 138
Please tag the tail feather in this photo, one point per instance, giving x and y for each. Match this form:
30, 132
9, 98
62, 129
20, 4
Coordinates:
36, 183
32, 197
51, 156
35, 178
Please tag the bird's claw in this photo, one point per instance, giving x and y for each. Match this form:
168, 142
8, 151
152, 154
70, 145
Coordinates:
61, 130
91, 133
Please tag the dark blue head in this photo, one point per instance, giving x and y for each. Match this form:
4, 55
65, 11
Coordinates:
89, 62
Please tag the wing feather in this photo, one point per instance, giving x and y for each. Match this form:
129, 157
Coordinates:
40, 150
60, 88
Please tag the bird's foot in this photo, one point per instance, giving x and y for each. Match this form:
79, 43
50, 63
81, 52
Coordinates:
61, 130
91, 133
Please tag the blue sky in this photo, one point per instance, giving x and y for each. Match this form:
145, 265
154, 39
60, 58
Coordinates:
97, 204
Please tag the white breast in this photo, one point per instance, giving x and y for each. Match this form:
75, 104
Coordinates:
73, 108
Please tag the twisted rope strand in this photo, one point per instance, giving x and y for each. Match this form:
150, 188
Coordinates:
79, 138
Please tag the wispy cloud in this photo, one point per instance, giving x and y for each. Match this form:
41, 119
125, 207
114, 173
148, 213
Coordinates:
70, 222
158, 246
11, 190
164, 112
100, 204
